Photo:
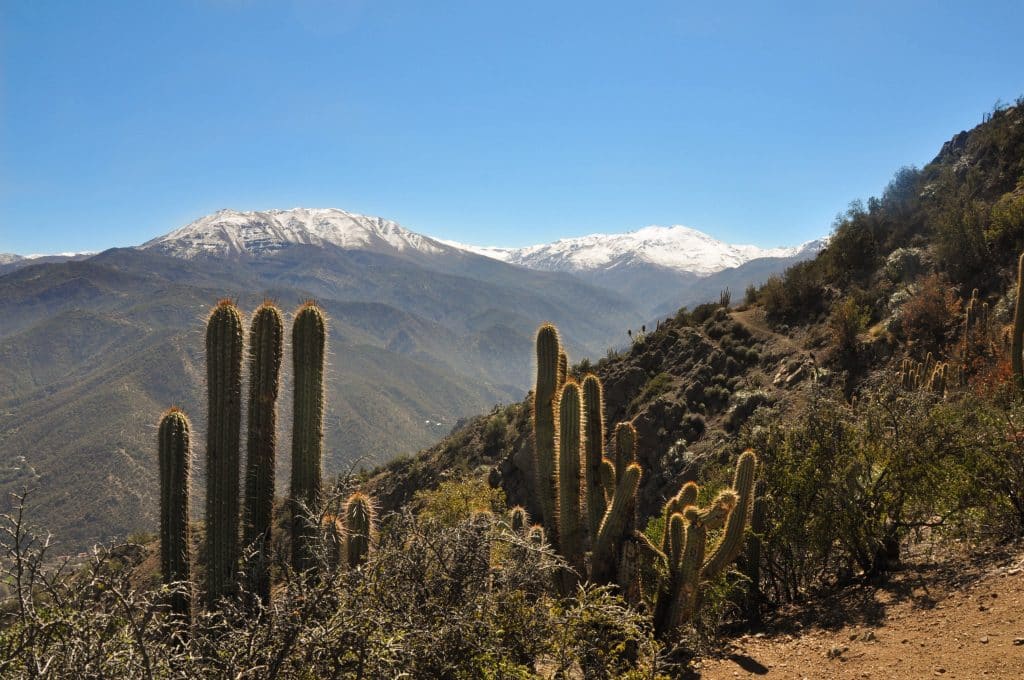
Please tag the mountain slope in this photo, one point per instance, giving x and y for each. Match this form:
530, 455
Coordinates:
92, 351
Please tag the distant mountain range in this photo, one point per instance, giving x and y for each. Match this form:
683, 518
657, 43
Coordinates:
422, 333
658, 268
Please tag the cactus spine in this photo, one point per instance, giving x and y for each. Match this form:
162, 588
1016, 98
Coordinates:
548, 377
224, 389
175, 462
593, 441
570, 522
308, 352
359, 520
265, 350
1017, 337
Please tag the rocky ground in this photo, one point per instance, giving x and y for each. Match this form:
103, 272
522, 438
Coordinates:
960, 619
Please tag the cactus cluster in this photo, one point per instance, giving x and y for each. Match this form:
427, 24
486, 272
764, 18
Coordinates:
589, 500
224, 348
935, 376
685, 555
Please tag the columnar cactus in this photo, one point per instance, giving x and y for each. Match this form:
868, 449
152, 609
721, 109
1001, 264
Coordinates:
570, 520
1017, 336
359, 521
224, 392
731, 545
309, 337
593, 443
175, 464
519, 520
686, 538
544, 398
266, 346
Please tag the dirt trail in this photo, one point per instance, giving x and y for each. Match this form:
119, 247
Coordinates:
957, 624
755, 321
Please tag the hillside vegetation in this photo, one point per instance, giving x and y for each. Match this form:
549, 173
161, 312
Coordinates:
613, 524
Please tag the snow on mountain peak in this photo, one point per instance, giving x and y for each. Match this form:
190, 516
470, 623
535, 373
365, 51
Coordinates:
675, 247
232, 232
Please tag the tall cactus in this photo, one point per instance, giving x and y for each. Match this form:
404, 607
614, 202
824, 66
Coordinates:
175, 465
593, 443
266, 346
224, 391
570, 520
544, 398
359, 521
309, 337
1017, 337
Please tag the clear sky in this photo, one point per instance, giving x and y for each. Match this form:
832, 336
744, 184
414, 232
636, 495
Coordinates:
495, 123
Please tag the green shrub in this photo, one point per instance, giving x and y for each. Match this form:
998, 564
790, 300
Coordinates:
459, 500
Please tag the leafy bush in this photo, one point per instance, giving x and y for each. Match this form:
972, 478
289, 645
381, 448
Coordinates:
930, 313
459, 500
847, 484
848, 320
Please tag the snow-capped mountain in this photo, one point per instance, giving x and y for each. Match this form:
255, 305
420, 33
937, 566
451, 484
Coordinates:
231, 232
677, 247
655, 267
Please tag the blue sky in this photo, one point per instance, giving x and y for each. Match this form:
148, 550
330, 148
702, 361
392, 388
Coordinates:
498, 123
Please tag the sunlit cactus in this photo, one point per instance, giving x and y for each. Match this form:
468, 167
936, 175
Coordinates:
519, 520
686, 546
609, 535
544, 397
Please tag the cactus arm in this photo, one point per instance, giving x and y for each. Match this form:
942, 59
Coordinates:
613, 524
607, 484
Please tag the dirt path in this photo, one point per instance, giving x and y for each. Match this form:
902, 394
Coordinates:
957, 624
754, 319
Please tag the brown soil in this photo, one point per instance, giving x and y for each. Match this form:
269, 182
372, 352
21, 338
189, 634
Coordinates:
960, 620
